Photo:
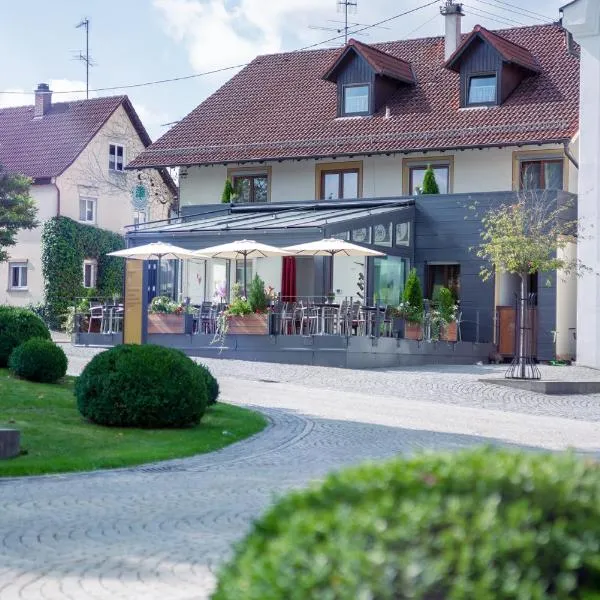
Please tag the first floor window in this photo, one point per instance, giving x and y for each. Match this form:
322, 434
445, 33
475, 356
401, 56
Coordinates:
416, 174
139, 217
87, 210
90, 268
482, 89
356, 100
541, 174
443, 275
18, 276
337, 185
251, 188
116, 157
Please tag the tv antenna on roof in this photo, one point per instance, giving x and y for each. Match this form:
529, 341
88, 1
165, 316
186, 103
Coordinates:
347, 7
86, 58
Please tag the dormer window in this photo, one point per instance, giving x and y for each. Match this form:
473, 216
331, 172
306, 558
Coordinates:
356, 100
482, 89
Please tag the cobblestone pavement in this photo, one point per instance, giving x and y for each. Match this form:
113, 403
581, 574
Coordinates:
160, 531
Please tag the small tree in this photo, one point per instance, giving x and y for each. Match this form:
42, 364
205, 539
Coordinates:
256, 295
412, 306
430, 185
17, 209
228, 192
527, 237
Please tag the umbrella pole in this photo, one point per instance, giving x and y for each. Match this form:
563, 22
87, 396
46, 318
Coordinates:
245, 289
158, 276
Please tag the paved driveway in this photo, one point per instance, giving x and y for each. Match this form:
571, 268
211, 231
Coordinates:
159, 532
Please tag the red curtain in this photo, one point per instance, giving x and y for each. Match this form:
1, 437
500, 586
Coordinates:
288, 279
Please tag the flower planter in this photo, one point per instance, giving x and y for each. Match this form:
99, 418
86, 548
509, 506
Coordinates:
256, 324
413, 331
166, 323
449, 332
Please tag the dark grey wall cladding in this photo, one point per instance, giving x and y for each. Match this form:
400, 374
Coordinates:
546, 314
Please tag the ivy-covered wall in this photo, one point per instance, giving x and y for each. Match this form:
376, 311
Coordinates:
65, 245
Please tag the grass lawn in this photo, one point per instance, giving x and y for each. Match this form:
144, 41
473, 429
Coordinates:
57, 439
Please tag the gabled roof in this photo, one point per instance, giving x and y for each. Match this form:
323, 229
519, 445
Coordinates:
44, 147
509, 51
382, 63
279, 107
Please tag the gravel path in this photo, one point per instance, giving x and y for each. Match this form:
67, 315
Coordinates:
160, 531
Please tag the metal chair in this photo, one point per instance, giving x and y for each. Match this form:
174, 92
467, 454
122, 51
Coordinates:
458, 324
96, 314
357, 319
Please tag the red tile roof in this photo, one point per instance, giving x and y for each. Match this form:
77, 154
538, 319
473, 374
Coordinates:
279, 107
509, 51
46, 146
382, 63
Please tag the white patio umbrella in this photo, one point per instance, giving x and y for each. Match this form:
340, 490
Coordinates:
242, 249
332, 247
156, 251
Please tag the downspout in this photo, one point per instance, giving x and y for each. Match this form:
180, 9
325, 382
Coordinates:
57, 196
570, 156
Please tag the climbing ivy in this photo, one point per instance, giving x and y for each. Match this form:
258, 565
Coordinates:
65, 245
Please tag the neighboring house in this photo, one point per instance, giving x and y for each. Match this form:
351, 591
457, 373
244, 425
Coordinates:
492, 112
75, 153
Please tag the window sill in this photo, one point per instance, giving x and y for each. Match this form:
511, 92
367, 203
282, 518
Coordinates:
86, 222
18, 289
353, 117
479, 107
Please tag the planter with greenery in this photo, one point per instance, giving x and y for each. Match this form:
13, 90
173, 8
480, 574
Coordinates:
166, 316
228, 192
411, 308
476, 525
447, 309
250, 317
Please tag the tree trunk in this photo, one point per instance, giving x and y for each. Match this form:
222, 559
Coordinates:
522, 330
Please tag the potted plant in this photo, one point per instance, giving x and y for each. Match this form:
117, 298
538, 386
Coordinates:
448, 311
411, 307
249, 316
166, 316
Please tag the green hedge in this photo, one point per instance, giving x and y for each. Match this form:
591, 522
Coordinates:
475, 525
142, 386
17, 325
65, 245
39, 360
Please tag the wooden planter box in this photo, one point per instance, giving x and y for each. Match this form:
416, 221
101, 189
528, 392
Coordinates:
413, 331
165, 323
449, 332
248, 325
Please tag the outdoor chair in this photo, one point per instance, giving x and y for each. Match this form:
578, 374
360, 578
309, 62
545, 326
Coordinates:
117, 318
458, 328
204, 318
96, 314
357, 319
309, 319
287, 318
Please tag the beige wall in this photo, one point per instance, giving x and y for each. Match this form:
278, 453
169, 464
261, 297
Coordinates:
87, 176
486, 170
28, 248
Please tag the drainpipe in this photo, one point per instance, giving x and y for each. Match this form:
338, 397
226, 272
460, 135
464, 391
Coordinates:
57, 196
570, 156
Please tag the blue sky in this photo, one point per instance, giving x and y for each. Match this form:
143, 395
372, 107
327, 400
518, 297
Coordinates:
134, 41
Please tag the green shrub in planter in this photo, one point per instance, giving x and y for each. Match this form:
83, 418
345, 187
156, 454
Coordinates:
476, 525
39, 360
142, 386
17, 325
212, 385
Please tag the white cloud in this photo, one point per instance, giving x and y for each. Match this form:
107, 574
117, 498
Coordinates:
74, 90
153, 121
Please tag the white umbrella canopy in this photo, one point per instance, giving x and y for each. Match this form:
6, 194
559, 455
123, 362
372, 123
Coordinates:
241, 249
332, 247
156, 250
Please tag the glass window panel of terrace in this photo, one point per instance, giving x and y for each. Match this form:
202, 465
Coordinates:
388, 279
417, 174
239, 272
482, 90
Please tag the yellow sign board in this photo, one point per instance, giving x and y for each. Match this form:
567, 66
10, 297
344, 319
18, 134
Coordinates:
134, 296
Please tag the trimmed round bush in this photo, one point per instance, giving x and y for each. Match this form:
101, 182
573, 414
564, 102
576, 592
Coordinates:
142, 386
38, 360
212, 385
17, 325
484, 525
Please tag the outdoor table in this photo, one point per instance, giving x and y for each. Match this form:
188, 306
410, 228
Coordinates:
322, 306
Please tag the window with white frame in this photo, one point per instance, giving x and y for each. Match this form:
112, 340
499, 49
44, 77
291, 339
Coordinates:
18, 275
116, 157
139, 217
90, 271
87, 210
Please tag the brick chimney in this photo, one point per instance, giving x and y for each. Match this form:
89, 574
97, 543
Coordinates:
452, 15
43, 100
